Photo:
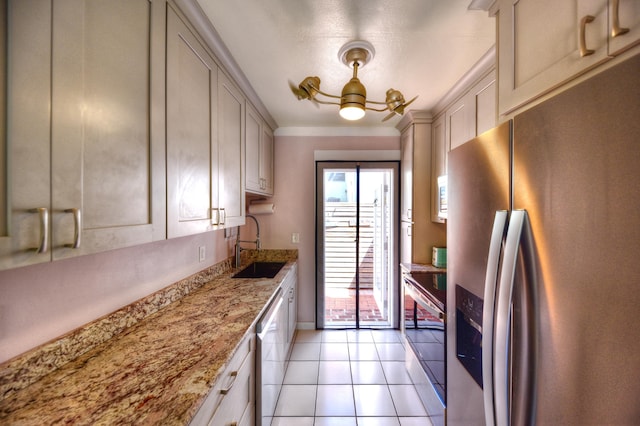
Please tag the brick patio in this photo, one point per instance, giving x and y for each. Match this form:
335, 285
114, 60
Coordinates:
340, 307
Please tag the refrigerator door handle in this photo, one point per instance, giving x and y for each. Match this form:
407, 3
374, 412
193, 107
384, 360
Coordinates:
503, 317
488, 314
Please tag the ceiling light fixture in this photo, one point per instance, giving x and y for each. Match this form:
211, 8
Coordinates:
353, 101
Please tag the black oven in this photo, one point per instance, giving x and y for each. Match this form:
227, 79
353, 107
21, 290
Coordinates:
424, 328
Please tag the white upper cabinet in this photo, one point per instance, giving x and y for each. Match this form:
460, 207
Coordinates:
205, 138
468, 110
266, 160
624, 25
545, 43
231, 153
418, 233
26, 201
259, 158
438, 163
85, 138
192, 174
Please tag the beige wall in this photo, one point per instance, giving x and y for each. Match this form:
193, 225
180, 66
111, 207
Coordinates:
295, 202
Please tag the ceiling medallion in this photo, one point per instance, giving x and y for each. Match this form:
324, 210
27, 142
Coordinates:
353, 101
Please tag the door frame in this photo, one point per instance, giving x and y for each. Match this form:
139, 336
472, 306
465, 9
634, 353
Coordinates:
394, 305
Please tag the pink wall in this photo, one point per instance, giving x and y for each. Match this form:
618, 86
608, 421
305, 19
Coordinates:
295, 202
39, 303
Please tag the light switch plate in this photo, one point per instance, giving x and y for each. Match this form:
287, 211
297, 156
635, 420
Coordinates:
295, 237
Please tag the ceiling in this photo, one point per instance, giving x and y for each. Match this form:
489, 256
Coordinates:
422, 47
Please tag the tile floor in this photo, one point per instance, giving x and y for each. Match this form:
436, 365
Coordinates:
348, 378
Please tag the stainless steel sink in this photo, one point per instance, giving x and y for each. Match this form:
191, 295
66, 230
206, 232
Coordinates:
260, 270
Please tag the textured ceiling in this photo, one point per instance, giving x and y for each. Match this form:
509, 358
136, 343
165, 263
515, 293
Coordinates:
422, 47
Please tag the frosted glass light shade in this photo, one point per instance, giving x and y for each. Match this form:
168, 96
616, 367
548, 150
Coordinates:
351, 113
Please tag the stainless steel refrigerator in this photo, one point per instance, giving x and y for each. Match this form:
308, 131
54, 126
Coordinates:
543, 285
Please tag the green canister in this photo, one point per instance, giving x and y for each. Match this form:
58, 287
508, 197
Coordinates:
439, 257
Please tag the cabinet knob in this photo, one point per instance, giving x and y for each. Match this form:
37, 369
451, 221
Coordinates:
583, 42
616, 29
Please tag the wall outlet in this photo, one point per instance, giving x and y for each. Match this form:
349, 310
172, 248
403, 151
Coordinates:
201, 253
295, 237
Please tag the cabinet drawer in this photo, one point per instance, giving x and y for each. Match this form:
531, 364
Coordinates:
237, 399
236, 380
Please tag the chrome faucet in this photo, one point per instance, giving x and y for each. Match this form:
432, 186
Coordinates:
238, 240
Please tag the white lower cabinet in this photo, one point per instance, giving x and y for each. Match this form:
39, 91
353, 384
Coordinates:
290, 294
232, 400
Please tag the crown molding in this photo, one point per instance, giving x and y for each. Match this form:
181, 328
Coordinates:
201, 23
337, 131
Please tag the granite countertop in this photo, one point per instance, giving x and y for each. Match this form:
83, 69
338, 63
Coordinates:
158, 370
421, 268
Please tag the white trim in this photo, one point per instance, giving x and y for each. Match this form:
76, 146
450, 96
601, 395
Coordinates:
356, 155
305, 326
336, 131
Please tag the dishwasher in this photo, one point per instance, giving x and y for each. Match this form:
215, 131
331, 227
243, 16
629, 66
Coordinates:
271, 359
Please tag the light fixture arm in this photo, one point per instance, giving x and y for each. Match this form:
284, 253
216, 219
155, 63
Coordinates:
353, 100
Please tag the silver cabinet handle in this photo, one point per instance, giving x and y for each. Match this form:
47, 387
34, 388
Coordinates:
234, 375
218, 216
616, 29
583, 42
77, 222
215, 216
222, 218
43, 218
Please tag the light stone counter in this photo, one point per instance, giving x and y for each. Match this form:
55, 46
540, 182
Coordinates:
152, 362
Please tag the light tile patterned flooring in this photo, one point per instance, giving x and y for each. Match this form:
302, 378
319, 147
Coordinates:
348, 378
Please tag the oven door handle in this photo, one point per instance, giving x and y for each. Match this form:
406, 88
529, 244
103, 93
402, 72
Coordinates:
424, 302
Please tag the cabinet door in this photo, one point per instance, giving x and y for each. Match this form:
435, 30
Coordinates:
266, 160
459, 123
25, 186
259, 154
406, 179
406, 255
253, 135
103, 157
624, 25
231, 152
192, 87
484, 96
540, 45
439, 164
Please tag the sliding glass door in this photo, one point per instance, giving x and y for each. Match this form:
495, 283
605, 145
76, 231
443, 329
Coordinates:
356, 220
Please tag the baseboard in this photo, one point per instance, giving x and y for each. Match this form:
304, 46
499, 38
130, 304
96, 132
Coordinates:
305, 326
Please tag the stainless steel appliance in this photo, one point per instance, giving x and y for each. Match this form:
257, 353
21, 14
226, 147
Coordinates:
544, 232
424, 330
271, 356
